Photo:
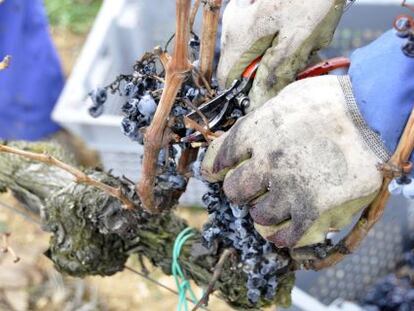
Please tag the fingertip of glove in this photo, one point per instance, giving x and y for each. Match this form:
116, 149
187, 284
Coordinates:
276, 234
259, 216
282, 238
219, 165
208, 165
210, 176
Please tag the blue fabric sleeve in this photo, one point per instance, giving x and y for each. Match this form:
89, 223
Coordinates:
31, 85
383, 83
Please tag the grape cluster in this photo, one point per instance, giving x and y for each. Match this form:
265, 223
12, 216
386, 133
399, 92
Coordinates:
231, 226
142, 91
394, 292
138, 113
142, 94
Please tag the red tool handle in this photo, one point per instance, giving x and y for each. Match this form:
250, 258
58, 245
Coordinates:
250, 71
316, 70
324, 67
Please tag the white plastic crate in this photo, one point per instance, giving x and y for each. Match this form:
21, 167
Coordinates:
123, 31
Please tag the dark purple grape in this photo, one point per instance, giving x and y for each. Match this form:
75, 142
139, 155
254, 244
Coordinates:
256, 281
396, 298
209, 234
130, 108
239, 211
253, 295
179, 111
167, 181
194, 43
96, 111
408, 48
271, 288
149, 68
131, 130
209, 199
267, 248
141, 88
192, 93
130, 90
147, 106
98, 96
162, 157
268, 268
405, 306
272, 282
409, 296
150, 84
178, 182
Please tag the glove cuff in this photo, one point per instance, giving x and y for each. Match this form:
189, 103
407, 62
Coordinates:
370, 138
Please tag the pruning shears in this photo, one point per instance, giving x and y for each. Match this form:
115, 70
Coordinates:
218, 109
217, 112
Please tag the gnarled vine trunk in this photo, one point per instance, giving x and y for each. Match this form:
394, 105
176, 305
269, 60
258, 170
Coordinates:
92, 234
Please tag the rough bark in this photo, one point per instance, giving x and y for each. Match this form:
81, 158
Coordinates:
93, 235
156, 135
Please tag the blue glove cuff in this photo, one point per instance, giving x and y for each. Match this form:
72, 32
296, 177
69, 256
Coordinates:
383, 84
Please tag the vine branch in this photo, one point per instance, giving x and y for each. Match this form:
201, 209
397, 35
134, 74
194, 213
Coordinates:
80, 177
217, 272
177, 69
211, 17
193, 14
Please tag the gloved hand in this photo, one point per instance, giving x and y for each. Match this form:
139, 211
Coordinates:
286, 32
306, 161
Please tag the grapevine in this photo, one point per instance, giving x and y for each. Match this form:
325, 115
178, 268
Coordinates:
229, 226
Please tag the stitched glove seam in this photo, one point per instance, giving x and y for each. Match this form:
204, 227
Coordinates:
370, 138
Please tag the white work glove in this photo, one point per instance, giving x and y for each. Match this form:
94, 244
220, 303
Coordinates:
288, 33
305, 162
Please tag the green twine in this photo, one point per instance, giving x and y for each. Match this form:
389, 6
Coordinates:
183, 285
